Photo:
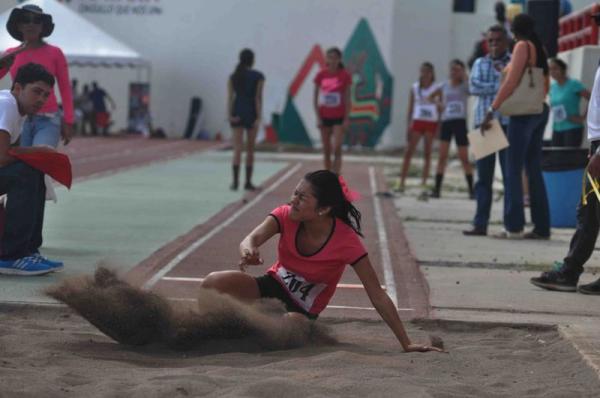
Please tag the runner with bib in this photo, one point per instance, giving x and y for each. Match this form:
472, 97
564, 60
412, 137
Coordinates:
453, 95
332, 106
565, 97
423, 117
319, 235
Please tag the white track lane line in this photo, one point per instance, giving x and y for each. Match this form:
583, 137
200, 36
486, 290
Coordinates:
199, 280
181, 256
386, 260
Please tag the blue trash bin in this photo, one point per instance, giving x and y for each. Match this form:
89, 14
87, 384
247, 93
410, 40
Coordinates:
563, 170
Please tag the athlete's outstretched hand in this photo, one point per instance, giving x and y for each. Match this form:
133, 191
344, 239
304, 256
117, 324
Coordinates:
249, 255
423, 348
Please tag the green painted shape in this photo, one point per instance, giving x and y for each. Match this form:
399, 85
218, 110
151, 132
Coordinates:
363, 58
291, 128
124, 218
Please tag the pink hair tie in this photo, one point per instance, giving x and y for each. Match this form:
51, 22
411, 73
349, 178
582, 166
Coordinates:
350, 195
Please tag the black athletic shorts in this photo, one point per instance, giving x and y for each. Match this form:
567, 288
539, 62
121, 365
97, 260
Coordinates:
244, 123
456, 128
269, 287
332, 122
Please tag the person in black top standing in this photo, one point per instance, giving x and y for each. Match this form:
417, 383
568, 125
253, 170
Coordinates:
244, 104
101, 116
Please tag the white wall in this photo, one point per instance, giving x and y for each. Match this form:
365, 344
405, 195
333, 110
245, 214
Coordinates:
193, 45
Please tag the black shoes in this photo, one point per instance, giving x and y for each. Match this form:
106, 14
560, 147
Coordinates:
535, 236
558, 279
249, 187
590, 288
475, 232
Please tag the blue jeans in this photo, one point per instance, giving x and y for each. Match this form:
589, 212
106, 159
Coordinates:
484, 186
24, 211
41, 130
525, 136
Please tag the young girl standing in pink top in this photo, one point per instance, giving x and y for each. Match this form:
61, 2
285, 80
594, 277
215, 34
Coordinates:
30, 26
332, 105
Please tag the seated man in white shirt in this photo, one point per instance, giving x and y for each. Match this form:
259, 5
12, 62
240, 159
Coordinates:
23, 185
565, 275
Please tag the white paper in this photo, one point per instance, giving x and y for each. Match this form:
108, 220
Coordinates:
492, 141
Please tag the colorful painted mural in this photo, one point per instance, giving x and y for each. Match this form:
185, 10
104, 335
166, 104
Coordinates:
371, 93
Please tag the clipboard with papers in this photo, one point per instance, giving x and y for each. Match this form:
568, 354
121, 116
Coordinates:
492, 141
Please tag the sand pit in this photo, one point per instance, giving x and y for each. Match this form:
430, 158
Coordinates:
51, 352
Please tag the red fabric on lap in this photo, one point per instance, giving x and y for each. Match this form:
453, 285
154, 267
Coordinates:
56, 165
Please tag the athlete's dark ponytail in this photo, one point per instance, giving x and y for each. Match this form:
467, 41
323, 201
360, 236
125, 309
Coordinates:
336, 51
246, 62
329, 193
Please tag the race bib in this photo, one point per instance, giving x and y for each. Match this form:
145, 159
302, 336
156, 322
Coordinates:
303, 291
559, 113
455, 110
331, 100
427, 112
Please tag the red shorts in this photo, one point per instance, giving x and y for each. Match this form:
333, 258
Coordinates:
423, 127
102, 119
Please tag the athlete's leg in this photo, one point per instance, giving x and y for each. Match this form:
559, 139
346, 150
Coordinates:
238, 143
250, 144
427, 154
338, 140
326, 133
413, 140
235, 283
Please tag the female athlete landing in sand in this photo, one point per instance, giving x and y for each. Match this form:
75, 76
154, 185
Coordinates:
319, 235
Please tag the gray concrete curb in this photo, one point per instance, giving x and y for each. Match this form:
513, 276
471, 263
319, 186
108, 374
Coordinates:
584, 343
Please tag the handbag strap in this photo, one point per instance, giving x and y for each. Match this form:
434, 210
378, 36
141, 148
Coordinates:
528, 66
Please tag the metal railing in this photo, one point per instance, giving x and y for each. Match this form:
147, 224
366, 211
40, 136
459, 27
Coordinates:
578, 28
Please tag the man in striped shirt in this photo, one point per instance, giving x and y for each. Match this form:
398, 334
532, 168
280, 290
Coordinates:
484, 82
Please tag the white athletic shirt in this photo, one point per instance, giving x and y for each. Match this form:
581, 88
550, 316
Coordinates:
423, 108
455, 100
593, 115
11, 120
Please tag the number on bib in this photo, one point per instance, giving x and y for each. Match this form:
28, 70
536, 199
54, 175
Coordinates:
331, 100
559, 113
455, 109
303, 291
426, 112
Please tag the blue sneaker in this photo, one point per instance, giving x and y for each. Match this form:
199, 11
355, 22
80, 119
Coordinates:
25, 266
56, 266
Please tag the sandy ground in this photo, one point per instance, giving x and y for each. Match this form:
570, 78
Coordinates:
51, 352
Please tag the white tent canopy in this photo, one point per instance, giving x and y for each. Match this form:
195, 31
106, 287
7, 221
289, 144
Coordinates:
82, 42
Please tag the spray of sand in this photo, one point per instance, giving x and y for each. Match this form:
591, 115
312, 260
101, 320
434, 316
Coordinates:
133, 316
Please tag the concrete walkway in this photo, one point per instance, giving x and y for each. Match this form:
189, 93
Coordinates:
483, 279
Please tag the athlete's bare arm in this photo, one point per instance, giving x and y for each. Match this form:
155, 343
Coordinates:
259, 100
316, 104
385, 307
249, 253
411, 99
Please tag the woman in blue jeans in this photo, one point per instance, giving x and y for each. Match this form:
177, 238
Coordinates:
525, 136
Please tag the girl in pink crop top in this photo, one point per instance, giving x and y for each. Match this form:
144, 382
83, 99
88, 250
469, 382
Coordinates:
319, 236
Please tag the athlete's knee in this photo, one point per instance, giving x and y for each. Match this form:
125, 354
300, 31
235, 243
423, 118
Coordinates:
214, 280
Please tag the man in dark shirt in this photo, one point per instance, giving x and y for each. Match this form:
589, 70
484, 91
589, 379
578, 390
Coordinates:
101, 116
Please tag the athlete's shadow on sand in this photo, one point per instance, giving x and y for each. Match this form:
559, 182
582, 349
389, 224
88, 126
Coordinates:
220, 323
